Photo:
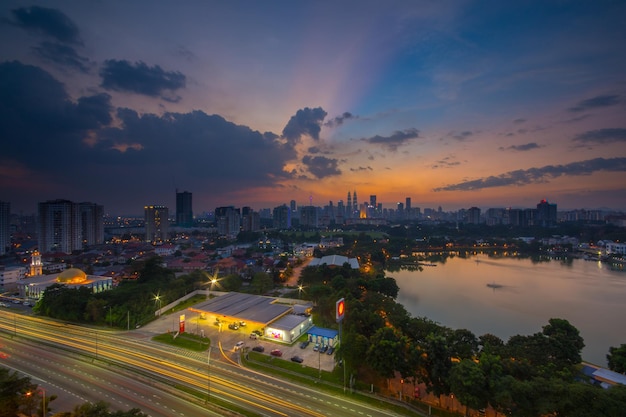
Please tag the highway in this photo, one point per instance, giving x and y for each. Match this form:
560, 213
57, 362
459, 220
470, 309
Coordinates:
150, 367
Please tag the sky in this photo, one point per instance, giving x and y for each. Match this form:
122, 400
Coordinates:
247, 103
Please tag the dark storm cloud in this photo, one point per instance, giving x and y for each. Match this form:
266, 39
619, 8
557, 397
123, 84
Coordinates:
398, 138
602, 136
338, 121
320, 166
540, 175
525, 147
62, 55
73, 145
140, 78
306, 121
39, 121
595, 102
50, 22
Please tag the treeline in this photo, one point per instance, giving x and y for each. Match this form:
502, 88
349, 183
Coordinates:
531, 375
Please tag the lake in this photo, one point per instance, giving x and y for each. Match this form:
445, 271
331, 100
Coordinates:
509, 296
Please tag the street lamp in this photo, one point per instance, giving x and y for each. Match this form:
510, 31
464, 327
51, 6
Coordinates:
43, 400
158, 298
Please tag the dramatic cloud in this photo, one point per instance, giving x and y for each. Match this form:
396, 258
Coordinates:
538, 175
306, 121
398, 138
50, 22
139, 78
525, 147
338, 121
77, 147
320, 166
602, 136
595, 102
62, 55
37, 114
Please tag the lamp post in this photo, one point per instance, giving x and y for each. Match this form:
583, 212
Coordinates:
213, 282
43, 400
158, 298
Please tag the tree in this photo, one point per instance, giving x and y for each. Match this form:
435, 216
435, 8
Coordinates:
261, 283
387, 351
16, 394
564, 342
469, 384
617, 359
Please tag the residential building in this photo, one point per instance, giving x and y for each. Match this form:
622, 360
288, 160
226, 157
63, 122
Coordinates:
184, 211
60, 228
156, 223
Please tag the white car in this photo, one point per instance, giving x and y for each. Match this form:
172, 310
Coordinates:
239, 345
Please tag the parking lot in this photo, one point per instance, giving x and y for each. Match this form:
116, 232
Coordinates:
228, 338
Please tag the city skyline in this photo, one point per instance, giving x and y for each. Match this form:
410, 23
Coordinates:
454, 104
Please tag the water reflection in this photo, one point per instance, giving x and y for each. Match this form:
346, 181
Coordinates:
508, 296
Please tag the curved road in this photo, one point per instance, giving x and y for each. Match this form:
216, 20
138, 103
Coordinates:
257, 393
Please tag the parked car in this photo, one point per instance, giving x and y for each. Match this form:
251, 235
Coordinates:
258, 349
304, 344
297, 359
233, 326
260, 333
330, 350
242, 324
276, 352
239, 345
316, 347
324, 349
254, 336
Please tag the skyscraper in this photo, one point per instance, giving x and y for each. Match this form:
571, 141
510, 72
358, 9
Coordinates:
228, 221
92, 223
546, 214
157, 223
349, 208
184, 210
281, 217
60, 228
5, 236
308, 216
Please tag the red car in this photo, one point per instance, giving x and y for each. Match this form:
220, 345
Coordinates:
276, 352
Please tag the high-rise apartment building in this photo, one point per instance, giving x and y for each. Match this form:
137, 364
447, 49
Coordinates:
228, 221
5, 219
184, 210
546, 214
92, 223
60, 228
308, 216
157, 223
473, 215
250, 220
281, 217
